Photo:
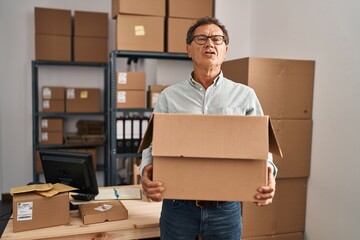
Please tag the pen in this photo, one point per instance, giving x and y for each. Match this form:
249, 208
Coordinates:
116, 193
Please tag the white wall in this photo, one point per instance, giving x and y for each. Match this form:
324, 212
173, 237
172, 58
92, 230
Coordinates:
327, 31
323, 30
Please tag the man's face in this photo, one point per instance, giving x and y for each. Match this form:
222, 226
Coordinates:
208, 54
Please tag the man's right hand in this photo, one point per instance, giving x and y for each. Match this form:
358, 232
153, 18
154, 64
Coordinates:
153, 190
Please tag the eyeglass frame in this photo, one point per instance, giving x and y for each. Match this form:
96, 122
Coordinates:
208, 37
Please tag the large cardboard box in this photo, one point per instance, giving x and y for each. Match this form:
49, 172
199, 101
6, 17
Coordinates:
138, 7
32, 211
50, 105
295, 140
286, 236
153, 94
283, 86
103, 212
140, 33
52, 21
176, 34
91, 24
91, 49
53, 92
131, 81
210, 157
52, 124
131, 99
52, 34
286, 214
82, 100
190, 8
51, 137
52, 47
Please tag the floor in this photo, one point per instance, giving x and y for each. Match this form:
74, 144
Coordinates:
5, 214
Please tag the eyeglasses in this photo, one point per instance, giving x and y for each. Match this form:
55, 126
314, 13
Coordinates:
202, 39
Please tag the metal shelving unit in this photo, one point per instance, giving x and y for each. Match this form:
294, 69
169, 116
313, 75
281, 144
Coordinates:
36, 114
133, 56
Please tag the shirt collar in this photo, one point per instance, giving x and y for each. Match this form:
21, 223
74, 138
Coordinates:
198, 86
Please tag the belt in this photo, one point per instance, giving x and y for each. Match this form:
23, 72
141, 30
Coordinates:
201, 203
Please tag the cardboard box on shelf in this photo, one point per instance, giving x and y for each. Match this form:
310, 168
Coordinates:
190, 9
176, 34
53, 105
131, 81
52, 21
153, 94
140, 33
91, 49
283, 86
52, 47
138, 7
53, 92
226, 163
91, 24
286, 214
52, 124
295, 140
51, 137
285, 236
130, 99
82, 100
102, 212
33, 211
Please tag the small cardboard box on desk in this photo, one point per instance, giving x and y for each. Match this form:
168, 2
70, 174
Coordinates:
40, 205
103, 212
210, 157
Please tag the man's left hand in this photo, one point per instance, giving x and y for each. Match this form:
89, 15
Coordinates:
266, 193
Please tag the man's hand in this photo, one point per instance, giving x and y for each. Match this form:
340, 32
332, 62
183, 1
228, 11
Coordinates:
153, 190
266, 193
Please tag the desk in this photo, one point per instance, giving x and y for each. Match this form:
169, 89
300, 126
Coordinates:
143, 222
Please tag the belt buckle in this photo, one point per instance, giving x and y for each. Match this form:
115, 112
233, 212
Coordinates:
197, 203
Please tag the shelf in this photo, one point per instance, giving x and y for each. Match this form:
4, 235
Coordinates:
150, 55
128, 155
71, 64
55, 146
68, 114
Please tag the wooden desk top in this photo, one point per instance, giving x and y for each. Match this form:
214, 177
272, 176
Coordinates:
143, 222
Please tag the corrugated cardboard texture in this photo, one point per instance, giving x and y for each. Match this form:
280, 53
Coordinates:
283, 86
190, 8
138, 7
83, 100
131, 99
211, 136
91, 24
46, 211
52, 47
295, 140
140, 33
286, 214
214, 157
130, 81
176, 31
52, 21
286, 236
90, 214
91, 49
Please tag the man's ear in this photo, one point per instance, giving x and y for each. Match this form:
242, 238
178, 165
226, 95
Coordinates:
188, 47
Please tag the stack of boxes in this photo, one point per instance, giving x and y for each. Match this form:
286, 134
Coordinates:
130, 90
91, 37
285, 90
54, 39
139, 24
52, 34
156, 25
181, 15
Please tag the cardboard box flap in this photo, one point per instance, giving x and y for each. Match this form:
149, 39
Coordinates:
274, 143
210, 136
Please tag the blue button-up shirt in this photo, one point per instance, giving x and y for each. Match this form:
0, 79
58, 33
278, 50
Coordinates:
222, 97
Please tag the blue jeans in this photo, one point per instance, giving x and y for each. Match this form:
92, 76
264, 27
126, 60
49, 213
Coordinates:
183, 220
